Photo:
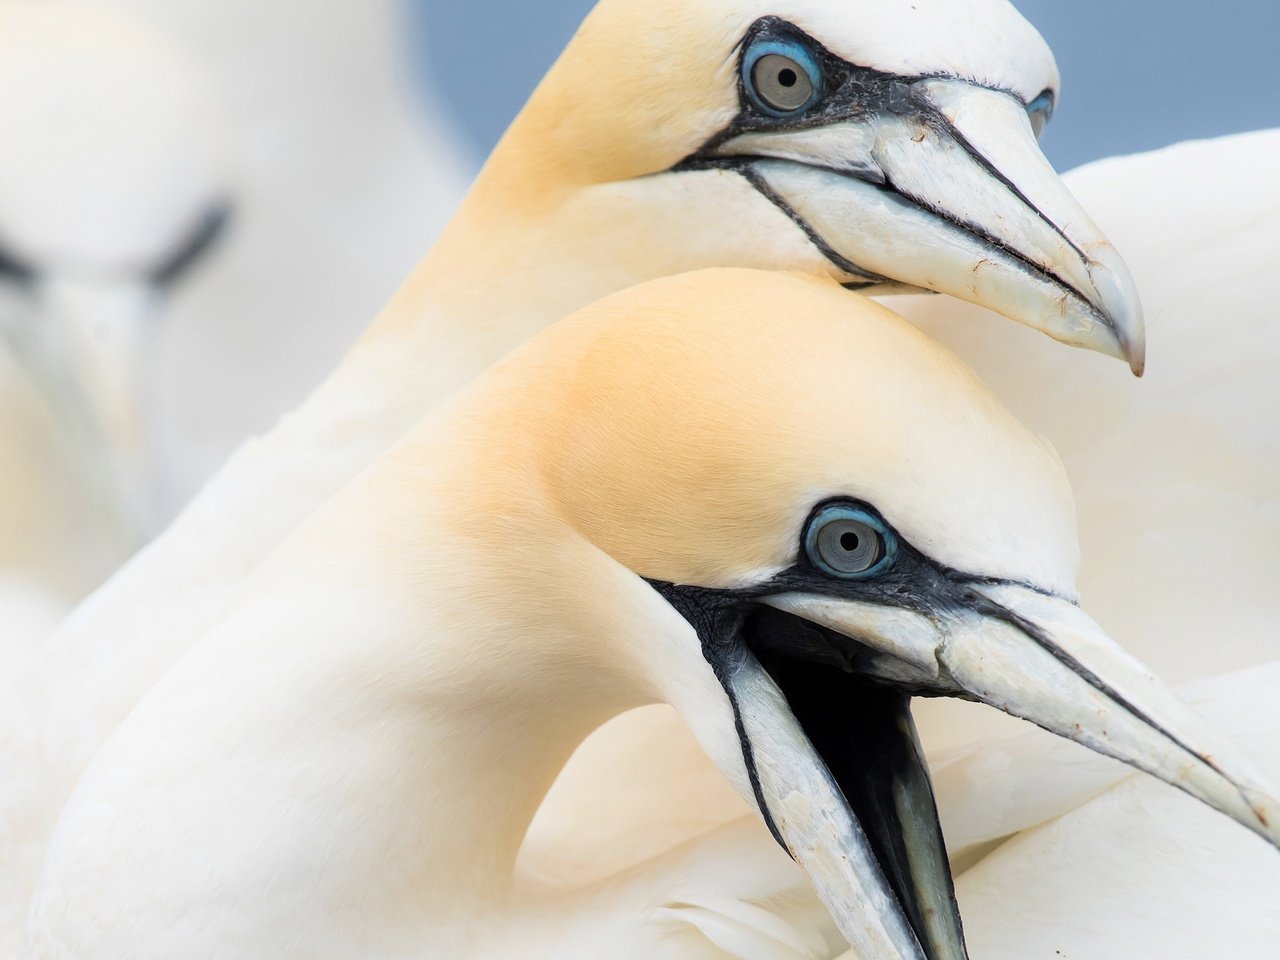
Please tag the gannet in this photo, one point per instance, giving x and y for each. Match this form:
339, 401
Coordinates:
1177, 513
653, 132
754, 496
343, 176
112, 187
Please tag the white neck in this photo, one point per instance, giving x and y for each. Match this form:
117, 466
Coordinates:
357, 753
516, 260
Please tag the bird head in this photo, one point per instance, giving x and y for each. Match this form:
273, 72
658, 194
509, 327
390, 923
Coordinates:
111, 190
841, 518
890, 144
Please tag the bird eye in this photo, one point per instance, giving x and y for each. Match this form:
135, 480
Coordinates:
1040, 110
781, 78
844, 541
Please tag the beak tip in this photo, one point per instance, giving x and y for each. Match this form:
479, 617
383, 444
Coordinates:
1121, 306
1138, 361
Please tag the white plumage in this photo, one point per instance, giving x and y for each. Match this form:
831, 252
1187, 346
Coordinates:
346, 765
113, 163
574, 203
1099, 430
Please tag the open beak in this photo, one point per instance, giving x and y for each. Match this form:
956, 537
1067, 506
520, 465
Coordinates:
821, 689
946, 189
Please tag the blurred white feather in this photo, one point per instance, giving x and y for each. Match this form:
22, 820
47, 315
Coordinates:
342, 174
136, 118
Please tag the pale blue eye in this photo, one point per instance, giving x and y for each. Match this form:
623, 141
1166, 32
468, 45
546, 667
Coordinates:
1040, 110
781, 77
847, 542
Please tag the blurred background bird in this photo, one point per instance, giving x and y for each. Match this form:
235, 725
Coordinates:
201, 204
113, 186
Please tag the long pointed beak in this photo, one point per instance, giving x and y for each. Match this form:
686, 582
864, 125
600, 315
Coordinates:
810, 817
948, 191
820, 690
1044, 660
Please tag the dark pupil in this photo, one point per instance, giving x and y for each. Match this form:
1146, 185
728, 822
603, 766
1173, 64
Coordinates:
849, 541
787, 77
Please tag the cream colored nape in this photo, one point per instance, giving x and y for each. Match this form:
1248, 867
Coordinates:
708, 480
346, 765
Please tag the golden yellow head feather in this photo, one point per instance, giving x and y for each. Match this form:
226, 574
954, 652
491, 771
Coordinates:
687, 427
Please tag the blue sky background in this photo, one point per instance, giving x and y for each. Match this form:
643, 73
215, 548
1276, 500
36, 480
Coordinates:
1137, 74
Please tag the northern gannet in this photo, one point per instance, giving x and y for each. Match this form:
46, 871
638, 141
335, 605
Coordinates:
1177, 514
343, 176
112, 186
659, 143
754, 496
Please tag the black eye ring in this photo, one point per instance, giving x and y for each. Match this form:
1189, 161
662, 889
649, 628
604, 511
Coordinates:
781, 77
847, 542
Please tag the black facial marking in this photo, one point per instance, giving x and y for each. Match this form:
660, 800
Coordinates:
850, 92
717, 619
866, 277
861, 94
197, 243
15, 270
725, 619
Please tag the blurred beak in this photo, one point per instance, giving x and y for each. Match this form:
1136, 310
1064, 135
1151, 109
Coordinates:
946, 189
821, 688
86, 348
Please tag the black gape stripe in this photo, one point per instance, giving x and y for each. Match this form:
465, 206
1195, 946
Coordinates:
717, 619
828, 251
996, 611
198, 242
15, 270
861, 94
1009, 185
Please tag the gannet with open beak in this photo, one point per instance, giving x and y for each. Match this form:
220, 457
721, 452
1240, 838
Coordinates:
754, 496
112, 187
659, 143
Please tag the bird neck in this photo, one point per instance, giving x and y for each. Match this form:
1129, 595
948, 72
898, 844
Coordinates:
491, 673
520, 256
392, 701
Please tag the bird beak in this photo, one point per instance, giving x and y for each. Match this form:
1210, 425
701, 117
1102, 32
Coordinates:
821, 690
86, 354
946, 189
